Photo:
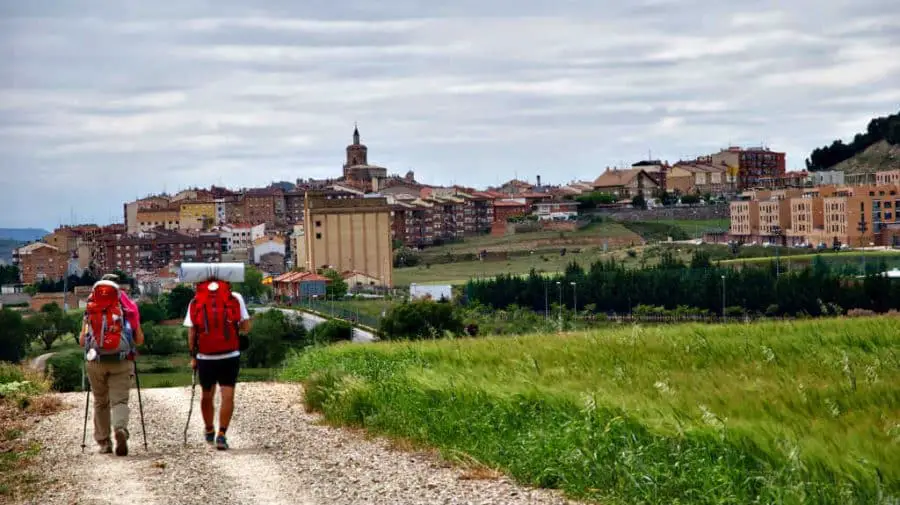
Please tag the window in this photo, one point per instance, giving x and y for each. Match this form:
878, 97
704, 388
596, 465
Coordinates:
318, 224
318, 235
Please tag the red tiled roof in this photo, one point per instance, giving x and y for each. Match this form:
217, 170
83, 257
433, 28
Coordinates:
508, 203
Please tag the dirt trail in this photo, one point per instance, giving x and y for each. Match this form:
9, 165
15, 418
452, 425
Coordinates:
279, 455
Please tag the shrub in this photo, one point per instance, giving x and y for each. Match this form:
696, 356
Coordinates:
334, 330
860, 313
151, 313
421, 319
65, 370
162, 340
270, 337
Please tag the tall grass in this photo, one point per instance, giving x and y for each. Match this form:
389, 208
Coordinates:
802, 412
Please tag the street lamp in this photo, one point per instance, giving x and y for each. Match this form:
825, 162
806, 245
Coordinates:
559, 285
546, 301
723, 299
862, 231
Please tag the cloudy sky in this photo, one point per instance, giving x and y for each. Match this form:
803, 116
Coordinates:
105, 101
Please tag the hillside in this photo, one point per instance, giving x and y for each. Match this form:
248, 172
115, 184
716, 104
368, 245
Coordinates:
881, 130
877, 157
22, 234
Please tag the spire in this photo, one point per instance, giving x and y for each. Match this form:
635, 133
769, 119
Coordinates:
355, 134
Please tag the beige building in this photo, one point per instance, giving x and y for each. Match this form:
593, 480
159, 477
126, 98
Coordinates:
165, 218
887, 177
197, 215
347, 235
853, 215
744, 219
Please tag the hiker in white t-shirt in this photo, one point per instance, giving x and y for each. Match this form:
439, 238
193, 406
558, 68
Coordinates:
215, 319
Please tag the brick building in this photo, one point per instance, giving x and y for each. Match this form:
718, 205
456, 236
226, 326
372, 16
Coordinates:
155, 250
39, 261
259, 206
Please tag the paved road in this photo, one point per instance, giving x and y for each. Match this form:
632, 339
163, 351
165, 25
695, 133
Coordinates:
310, 321
280, 455
40, 363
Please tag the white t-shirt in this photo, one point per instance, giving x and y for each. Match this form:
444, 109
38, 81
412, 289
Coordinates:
245, 315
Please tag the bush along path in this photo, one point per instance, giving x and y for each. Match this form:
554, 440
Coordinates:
279, 455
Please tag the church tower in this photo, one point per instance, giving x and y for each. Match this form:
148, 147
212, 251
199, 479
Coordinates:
357, 153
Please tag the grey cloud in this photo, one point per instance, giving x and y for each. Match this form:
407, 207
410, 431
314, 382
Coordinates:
104, 101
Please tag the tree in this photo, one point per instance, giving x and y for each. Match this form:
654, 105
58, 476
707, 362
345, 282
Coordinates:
13, 336
252, 288
9, 274
337, 288
178, 300
51, 323
690, 199
639, 202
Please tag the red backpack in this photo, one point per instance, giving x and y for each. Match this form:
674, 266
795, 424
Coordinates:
105, 320
216, 315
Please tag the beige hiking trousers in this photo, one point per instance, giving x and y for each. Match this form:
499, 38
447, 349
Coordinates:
110, 385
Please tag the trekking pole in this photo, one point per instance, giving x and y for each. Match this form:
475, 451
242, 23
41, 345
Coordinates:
191, 408
87, 401
137, 382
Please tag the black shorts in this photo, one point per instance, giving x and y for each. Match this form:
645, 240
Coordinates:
221, 371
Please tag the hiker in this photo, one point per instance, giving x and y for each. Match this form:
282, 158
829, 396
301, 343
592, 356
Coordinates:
109, 335
216, 318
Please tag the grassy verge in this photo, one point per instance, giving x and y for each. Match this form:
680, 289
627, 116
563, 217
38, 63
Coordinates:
21, 401
830, 257
804, 412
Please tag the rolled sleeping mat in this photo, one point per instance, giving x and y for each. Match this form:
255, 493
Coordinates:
200, 272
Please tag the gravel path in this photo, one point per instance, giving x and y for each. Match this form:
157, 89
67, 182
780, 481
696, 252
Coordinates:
279, 455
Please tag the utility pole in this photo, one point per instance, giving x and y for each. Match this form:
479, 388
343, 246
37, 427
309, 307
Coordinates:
546, 302
559, 285
776, 230
575, 297
724, 319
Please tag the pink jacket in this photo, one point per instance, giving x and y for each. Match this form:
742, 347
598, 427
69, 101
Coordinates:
132, 314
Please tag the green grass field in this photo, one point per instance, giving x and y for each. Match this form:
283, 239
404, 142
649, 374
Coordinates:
804, 412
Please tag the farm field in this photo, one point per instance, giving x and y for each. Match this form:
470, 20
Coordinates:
801, 412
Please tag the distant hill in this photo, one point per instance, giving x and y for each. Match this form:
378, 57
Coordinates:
6, 249
22, 234
873, 149
877, 157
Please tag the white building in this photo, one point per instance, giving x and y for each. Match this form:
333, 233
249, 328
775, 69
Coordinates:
220, 211
240, 237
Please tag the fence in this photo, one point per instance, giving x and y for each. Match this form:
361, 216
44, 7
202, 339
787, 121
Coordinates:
331, 309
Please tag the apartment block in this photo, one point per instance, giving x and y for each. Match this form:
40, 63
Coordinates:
166, 218
197, 215
744, 220
39, 261
155, 250
347, 234
259, 206
807, 219
854, 215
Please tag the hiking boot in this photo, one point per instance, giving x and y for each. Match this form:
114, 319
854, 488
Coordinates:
211, 437
121, 442
105, 447
221, 442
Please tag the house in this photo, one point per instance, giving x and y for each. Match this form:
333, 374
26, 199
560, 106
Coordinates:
357, 280
626, 183
506, 209
556, 211
299, 285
